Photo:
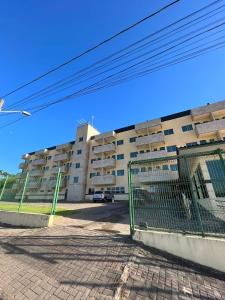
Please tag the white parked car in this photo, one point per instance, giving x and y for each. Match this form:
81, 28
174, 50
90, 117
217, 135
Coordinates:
103, 196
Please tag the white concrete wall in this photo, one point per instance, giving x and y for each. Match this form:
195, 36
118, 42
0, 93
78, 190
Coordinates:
207, 251
25, 219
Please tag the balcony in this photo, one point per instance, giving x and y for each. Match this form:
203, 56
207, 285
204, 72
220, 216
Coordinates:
148, 126
33, 185
63, 169
104, 180
61, 157
66, 146
105, 148
204, 111
38, 162
36, 173
152, 155
152, 139
210, 127
23, 165
42, 152
104, 163
105, 137
156, 176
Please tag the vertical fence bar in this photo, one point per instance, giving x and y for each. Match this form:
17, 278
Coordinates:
194, 197
131, 206
24, 190
4, 185
56, 192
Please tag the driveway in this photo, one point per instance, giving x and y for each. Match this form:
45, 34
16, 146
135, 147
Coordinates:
91, 256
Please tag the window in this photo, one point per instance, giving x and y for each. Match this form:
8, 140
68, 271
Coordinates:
120, 172
171, 148
173, 167
162, 148
168, 131
143, 169
188, 127
79, 151
132, 140
91, 191
133, 154
120, 156
120, 142
202, 142
113, 172
49, 157
81, 139
165, 167
191, 144
92, 175
75, 179
77, 165
142, 151
212, 140
92, 161
135, 171
113, 156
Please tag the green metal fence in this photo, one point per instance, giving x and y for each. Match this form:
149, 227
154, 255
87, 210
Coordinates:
30, 192
184, 193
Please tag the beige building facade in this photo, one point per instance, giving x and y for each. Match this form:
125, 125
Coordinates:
98, 161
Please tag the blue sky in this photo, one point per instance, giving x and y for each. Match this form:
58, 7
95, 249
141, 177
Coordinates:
38, 35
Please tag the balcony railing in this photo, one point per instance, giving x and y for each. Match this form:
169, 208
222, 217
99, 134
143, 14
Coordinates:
63, 169
38, 162
204, 111
104, 163
36, 172
61, 157
107, 137
152, 139
104, 180
210, 127
152, 155
148, 126
33, 185
66, 146
104, 148
23, 165
156, 176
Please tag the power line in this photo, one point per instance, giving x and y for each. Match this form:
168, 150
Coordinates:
62, 82
92, 48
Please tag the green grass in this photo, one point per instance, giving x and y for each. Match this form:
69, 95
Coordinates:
35, 208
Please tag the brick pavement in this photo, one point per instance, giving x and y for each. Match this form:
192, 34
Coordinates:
73, 263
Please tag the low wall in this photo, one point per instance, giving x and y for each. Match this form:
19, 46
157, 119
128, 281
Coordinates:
117, 197
207, 251
25, 219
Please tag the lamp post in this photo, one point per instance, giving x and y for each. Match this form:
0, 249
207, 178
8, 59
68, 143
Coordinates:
23, 112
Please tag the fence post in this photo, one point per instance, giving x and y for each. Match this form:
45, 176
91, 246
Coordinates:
56, 192
199, 219
3, 188
131, 206
24, 190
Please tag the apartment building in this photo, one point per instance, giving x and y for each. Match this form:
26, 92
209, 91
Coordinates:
98, 161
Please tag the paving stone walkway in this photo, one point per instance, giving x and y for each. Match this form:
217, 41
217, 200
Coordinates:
75, 263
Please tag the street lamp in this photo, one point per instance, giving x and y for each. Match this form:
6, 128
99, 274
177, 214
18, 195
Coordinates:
23, 112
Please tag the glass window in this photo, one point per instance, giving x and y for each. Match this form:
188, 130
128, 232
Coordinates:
120, 172
133, 154
202, 142
132, 140
75, 179
143, 169
168, 131
135, 171
165, 167
92, 175
162, 148
191, 144
81, 139
120, 156
113, 172
77, 165
188, 127
171, 148
173, 167
79, 151
49, 157
120, 142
